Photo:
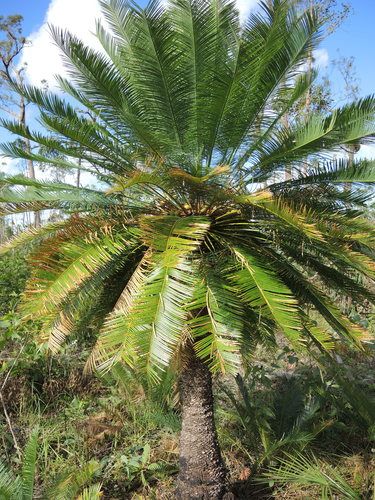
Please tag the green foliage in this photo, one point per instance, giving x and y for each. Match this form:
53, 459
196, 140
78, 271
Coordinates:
140, 466
68, 485
307, 470
65, 487
22, 486
29, 467
278, 413
105, 426
13, 274
91, 493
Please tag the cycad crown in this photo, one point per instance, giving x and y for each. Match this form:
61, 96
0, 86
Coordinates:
192, 226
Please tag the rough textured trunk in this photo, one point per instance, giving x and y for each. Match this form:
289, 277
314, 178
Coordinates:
202, 471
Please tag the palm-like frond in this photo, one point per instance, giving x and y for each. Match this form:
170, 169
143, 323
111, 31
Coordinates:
116, 342
74, 264
70, 484
29, 466
10, 486
307, 470
189, 223
22, 486
262, 289
217, 323
93, 492
150, 314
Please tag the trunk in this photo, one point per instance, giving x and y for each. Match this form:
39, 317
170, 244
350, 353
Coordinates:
288, 169
351, 149
308, 93
309, 69
29, 162
78, 179
202, 471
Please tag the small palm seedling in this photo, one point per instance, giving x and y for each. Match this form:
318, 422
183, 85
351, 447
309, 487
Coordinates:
21, 487
72, 484
281, 421
193, 244
66, 487
307, 470
91, 493
140, 467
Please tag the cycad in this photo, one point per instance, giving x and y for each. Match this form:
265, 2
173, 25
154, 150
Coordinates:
21, 487
210, 249
306, 471
66, 487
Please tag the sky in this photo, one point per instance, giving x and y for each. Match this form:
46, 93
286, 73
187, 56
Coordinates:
354, 38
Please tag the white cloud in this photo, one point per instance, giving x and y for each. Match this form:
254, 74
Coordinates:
43, 57
245, 6
321, 58
78, 16
10, 166
366, 152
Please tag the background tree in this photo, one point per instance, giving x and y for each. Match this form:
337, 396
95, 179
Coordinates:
332, 14
202, 264
11, 46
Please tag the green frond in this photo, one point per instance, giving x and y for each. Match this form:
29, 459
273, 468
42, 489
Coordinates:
74, 263
91, 298
21, 180
309, 293
342, 279
159, 312
341, 171
321, 336
116, 340
106, 87
157, 185
13, 150
284, 213
307, 470
263, 290
180, 235
69, 485
318, 136
217, 323
285, 98
147, 322
93, 492
357, 260
10, 486
182, 117
19, 194
31, 237
273, 46
29, 466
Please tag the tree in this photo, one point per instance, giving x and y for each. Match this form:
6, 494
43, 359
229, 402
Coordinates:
15, 104
203, 251
332, 16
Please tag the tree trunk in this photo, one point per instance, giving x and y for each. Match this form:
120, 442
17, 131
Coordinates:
29, 162
202, 471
